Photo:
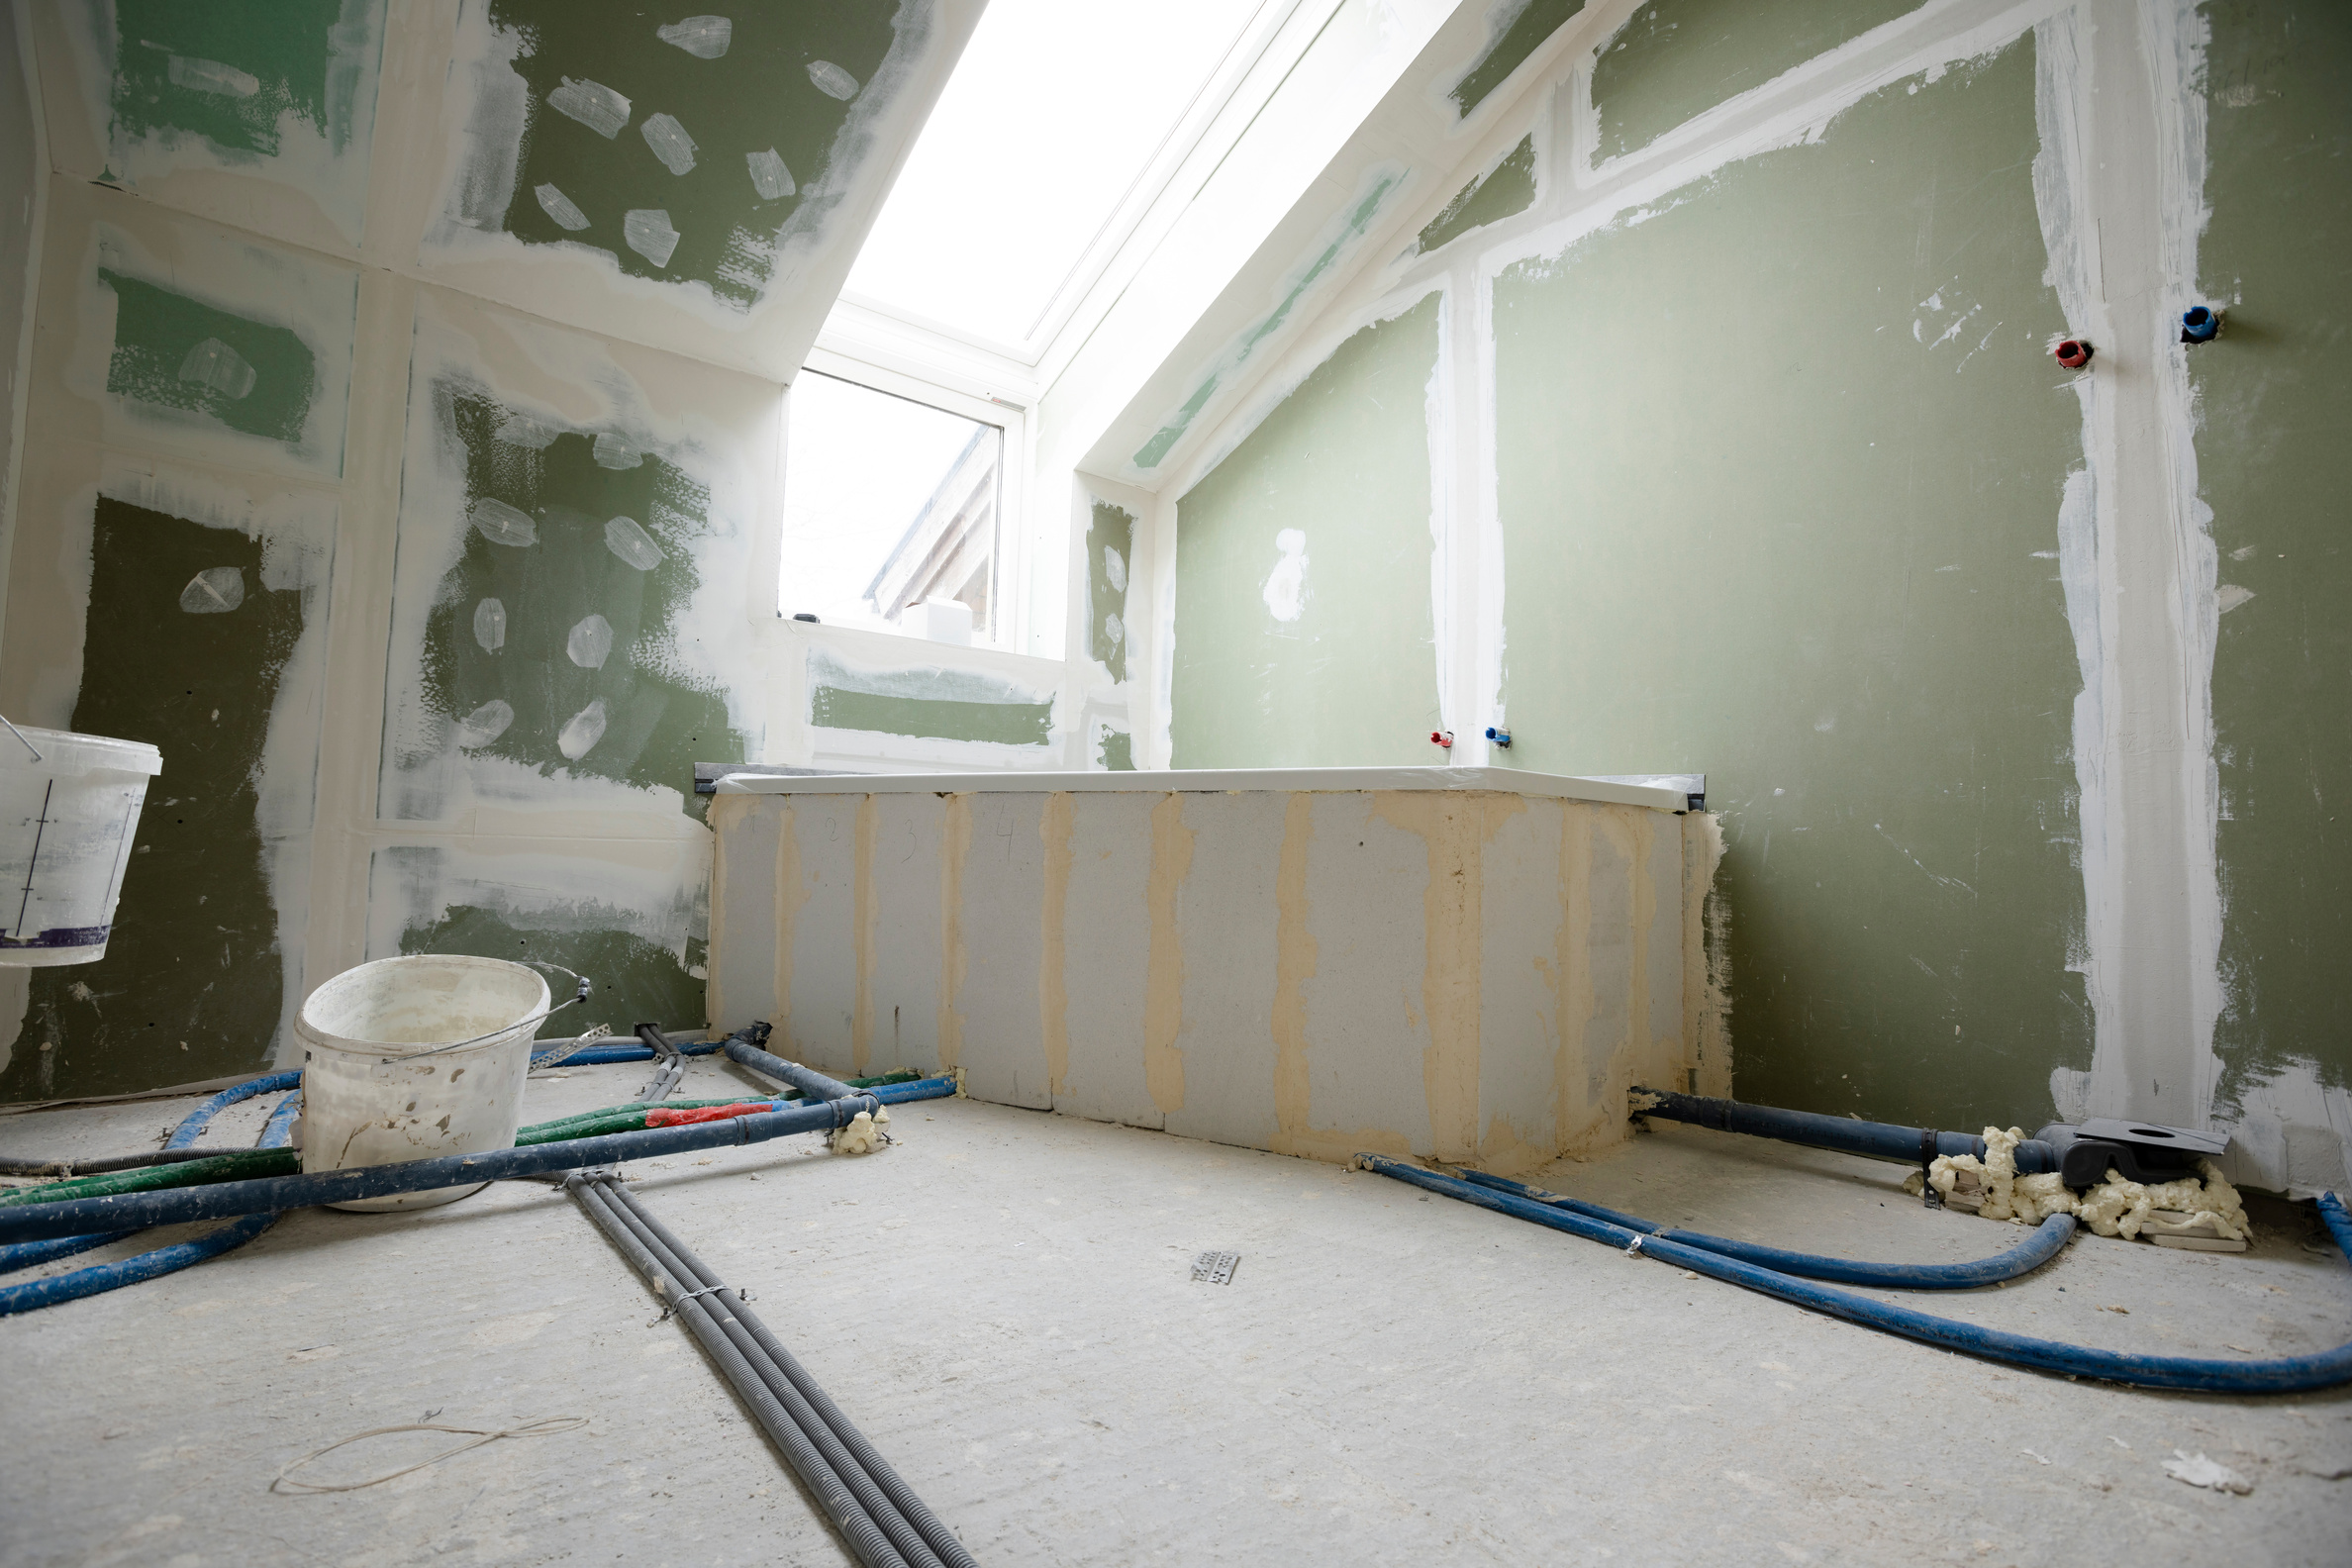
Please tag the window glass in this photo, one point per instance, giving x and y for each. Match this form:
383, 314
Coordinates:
890, 511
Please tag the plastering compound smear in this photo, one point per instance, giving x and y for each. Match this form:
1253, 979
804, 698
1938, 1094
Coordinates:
216, 590
611, 451
669, 141
215, 364
1285, 591
519, 431
561, 208
590, 643
486, 723
649, 233
769, 176
212, 76
489, 625
501, 523
593, 104
703, 37
582, 730
629, 541
831, 80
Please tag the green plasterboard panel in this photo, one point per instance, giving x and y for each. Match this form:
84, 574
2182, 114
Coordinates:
756, 97
1509, 187
636, 981
157, 330
2276, 394
1110, 557
1674, 59
192, 984
1115, 752
1536, 21
1766, 517
1343, 463
303, 57
658, 717
931, 717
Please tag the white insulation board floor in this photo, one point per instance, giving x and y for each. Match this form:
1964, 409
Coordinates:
1003, 1300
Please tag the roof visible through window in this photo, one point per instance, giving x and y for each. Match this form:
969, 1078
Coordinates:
1058, 108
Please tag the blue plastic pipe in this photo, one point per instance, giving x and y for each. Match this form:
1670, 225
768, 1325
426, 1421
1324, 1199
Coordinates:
1904, 1145
32, 1254
270, 1194
807, 1080
192, 1126
98, 1278
2048, 1239
2195, 1374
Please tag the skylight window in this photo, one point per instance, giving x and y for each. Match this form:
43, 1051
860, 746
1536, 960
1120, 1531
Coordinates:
1055, 113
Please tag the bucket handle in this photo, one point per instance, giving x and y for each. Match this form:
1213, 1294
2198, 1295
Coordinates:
577, 997
20, 735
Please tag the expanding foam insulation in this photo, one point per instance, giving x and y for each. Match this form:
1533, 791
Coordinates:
1778, 473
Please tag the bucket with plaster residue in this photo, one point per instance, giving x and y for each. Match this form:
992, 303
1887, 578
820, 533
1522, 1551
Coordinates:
69, 809
382, 1081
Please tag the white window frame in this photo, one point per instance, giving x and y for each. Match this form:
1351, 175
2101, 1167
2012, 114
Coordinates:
1009, 595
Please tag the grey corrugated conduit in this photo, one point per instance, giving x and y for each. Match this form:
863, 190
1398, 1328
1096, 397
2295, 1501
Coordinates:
874, 1526
934, 1534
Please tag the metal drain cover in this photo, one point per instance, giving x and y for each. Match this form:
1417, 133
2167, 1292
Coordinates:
1217, 1268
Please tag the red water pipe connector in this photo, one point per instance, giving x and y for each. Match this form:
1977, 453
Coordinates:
2074, 353
1441, 738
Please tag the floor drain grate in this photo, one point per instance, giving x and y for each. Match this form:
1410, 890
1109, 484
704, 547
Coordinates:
1217, 1268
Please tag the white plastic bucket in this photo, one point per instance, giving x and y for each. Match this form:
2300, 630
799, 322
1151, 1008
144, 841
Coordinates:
66, 821
376, 1091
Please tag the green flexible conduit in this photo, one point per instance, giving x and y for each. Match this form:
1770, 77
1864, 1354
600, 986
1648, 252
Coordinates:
245, 1164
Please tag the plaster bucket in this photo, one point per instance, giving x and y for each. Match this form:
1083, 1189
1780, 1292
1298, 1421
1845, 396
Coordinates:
66, 821
379, 1089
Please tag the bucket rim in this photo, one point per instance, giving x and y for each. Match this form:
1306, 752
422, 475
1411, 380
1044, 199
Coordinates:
129, 756
314, 1036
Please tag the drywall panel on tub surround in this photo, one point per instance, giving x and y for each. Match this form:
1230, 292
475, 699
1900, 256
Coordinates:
1303, 628
1780, 504
2275, 390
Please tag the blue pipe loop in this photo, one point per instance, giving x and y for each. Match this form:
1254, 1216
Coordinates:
2048, 1239
2196, 1374
98, 1278
270, 1194
32, 1254
1872, 1139
192, 1126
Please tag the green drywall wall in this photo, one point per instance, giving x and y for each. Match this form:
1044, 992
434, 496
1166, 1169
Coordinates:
302, 57
1536, 21
1339, 474
1509, 187
1350, 227
636, 981
168, 351
932, 704
759, 96
657, 721
1677, 59
1110, 557
1765, 516
1114, 750
192, 986
2276, 394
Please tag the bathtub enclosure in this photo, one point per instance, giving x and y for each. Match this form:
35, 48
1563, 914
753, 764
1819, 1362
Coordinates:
1471, 963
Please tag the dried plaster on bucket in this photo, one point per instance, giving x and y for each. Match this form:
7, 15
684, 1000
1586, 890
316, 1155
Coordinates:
379, 1085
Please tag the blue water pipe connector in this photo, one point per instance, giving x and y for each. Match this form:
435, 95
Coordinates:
1500, 736
2200, 323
